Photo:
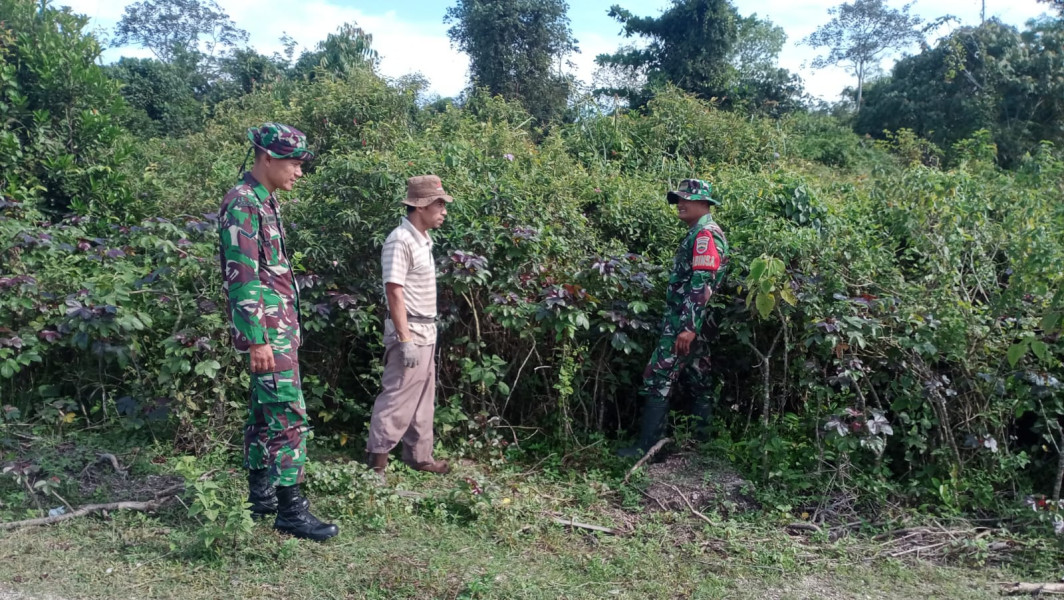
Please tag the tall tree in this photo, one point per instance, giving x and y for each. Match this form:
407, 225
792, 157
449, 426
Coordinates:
349, 48
160, 95
756, 78
170, 28
515, 47
1057, 4
990, 77
60, 139
860, 34
690, 44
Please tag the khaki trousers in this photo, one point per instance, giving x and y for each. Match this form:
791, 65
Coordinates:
405, 407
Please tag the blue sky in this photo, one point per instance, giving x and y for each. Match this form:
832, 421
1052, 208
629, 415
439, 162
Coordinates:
411, 37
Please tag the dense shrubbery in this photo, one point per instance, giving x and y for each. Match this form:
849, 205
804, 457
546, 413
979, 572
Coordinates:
885, 324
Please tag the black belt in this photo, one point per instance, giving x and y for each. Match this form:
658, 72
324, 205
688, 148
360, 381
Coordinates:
420, 320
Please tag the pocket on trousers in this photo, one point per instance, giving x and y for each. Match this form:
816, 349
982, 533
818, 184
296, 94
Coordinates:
276, 387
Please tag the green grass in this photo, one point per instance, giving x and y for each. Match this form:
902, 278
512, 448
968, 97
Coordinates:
415, 558
451, 543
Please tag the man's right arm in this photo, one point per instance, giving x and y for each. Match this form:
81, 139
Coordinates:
397, 310
240, 255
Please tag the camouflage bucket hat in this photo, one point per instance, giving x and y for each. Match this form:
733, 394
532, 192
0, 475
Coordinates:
693, 189
423, 190
280, 141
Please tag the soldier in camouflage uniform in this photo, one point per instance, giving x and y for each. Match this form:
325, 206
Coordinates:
682, 354
264, 312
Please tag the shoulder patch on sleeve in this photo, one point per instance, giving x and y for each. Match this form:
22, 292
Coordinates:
706, 257
247, 201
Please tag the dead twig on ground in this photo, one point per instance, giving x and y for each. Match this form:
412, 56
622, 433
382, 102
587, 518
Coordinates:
1034, 589
655, 499
151, 505
588, 526
810, 527
109, 458
689, 505
919, 549
207, 475
650, 454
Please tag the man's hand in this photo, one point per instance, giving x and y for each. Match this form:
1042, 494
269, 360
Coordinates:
683, 343
262, 358
409, 352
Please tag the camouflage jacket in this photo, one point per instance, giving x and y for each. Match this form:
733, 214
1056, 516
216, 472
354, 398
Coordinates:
697, 271
257, 278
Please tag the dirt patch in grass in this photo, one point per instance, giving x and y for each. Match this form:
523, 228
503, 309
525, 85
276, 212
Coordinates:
101, 480
707, 483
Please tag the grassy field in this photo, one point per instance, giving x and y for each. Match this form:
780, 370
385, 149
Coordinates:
482, 532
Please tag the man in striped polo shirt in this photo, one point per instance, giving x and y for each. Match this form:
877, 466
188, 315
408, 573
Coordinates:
405, 407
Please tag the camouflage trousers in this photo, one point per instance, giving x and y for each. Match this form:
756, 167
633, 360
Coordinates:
666, 369
275, 434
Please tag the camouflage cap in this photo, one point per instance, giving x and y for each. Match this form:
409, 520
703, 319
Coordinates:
280, 141
693, 189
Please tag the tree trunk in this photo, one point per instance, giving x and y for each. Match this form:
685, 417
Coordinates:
860, 86
1060, 467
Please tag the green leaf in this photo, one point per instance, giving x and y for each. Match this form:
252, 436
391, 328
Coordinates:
775, 267
208, 368
1040, 349
788, 296
1016, 352
1049, 322
756, 269
503, 388
765, 304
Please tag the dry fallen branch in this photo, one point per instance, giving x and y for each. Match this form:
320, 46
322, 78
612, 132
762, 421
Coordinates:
689, 505
650, 454
589, 527
108, 458
1016, 589
919, 549
810, 527
149, 506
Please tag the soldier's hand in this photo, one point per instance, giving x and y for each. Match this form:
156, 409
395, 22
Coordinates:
683, 343
262, 358
409, 352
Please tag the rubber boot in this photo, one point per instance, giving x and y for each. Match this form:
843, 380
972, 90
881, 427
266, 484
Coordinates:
650, 429
261, 495
294, 519
702, 412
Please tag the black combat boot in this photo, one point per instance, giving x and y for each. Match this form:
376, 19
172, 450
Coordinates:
293, 517
261, 495
702, 412
650, 429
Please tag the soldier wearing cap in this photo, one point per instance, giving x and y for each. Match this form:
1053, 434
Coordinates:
264, 313
405, 407
682, 353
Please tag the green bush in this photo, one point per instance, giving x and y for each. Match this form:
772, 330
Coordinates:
887, 328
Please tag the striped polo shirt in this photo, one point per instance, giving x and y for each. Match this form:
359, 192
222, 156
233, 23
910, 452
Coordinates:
406, 260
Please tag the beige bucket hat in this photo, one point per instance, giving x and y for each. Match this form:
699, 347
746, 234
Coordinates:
423, 190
